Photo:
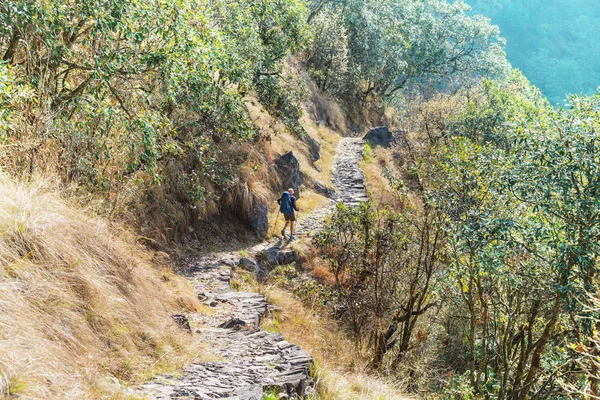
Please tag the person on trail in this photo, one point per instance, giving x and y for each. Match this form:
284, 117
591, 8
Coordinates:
287, 205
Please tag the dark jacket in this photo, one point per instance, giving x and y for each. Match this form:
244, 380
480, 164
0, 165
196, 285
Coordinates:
292, 201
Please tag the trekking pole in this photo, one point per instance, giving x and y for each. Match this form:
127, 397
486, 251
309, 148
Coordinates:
276, 221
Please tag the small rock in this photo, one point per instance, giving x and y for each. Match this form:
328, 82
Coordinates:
276, 256
252, 266
269, 256
287, 256
249, 264
230, 261
182, 321
234, 323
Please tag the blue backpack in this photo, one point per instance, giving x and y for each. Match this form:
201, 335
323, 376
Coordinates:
286, 203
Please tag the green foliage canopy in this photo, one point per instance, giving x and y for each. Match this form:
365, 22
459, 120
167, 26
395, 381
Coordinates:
392, 43
123, 92
518, 184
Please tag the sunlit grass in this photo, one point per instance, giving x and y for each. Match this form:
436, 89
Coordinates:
79, 305
373, 164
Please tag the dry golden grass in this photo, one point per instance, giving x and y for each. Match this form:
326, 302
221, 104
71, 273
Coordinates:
324, 109
339, 368
80, 306
329, 140
323, 274
375, 161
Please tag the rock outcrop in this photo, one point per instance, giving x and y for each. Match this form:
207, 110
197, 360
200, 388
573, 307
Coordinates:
313, 147
379, 136
251, 266
259, 219
288, 168
275, 255
324, 190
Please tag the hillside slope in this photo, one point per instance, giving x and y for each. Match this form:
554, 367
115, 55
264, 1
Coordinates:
82, 307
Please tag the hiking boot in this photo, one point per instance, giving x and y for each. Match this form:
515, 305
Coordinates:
283, 233
292, 237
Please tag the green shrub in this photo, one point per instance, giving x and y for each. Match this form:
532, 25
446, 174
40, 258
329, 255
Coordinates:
367, 152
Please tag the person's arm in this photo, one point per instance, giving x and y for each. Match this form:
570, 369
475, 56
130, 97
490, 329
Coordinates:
294, 204
279, 201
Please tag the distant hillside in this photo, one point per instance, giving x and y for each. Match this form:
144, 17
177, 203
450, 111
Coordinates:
554, 42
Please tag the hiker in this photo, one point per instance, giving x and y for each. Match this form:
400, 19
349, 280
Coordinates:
287, 205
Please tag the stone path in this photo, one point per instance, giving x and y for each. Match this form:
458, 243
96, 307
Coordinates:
250, 360
349, 181
347, 175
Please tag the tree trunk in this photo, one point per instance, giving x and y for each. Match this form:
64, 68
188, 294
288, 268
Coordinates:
541, 344
12, 47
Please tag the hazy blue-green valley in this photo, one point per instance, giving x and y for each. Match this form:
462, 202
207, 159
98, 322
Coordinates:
555, 43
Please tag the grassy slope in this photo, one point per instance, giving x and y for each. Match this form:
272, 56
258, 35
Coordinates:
376, 161
340, 371
79, 306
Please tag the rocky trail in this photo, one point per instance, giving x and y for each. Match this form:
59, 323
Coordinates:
349, 181
248, 360
347, 175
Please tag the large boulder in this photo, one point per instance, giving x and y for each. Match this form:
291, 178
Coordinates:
379, 136
259, 219
288, 168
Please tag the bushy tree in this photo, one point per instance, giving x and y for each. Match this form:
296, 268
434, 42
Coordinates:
508, 188
519, 193
144, 92
328, 59
386, 266
394, 43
